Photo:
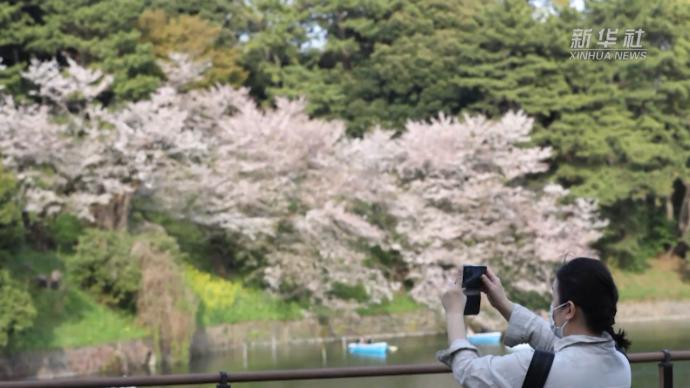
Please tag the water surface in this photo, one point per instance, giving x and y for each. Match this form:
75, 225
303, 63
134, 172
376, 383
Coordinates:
645, 336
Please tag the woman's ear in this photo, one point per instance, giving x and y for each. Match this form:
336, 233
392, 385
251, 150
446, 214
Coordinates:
569, 310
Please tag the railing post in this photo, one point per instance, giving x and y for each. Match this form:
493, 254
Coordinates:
666, 371
223, 381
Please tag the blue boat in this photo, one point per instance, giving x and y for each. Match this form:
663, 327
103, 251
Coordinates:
490, 338
375, 348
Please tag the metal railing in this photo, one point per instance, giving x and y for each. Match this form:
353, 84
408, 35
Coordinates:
225, 379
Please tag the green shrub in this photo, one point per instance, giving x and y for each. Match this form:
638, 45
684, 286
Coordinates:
636, 234
70, 317
104, 266
344, 291
205, 246
375, 213
190, 236
17, 311
530, 299
65, 230
390, 262
11, 226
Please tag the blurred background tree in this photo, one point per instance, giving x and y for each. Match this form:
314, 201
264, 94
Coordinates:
101, 33
196, 37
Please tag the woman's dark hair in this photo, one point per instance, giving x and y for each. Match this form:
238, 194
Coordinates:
589, 284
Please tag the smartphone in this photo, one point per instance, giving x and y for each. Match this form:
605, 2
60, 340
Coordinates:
471, 282
472, 276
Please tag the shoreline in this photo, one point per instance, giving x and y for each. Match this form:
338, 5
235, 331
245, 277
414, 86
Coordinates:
652, 310
654, 319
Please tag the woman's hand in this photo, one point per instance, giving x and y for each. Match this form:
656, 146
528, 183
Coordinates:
491, 285
453, 298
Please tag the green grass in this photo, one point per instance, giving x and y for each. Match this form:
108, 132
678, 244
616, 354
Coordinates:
401, 303
27, 263
67, 317
659, 282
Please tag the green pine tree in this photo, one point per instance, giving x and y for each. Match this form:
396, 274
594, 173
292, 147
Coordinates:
102, 33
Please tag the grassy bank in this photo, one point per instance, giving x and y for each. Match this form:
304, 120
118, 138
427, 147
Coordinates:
661, 281
70, 317
67, 317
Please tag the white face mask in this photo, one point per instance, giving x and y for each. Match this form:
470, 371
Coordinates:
557, 330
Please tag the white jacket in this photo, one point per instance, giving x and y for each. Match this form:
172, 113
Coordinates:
580, 360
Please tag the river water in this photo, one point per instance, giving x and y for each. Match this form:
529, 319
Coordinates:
645, 336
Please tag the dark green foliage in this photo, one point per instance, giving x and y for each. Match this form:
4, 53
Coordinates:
16, 307
275, 55
530, 299
344, 291
104, 266
387, 258
634, 235
11, 226
17, 311
102, 33
295, 293
623, 136
375, 213
209, 249
64, 230
383, 62
389, 262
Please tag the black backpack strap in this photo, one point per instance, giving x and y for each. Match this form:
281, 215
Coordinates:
538, 370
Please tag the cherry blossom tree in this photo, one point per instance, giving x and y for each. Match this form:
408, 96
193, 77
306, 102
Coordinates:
85, 159
460, 205
448, 185
450, 190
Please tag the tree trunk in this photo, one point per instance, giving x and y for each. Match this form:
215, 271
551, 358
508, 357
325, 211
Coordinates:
684, 214
115, 214
669, 207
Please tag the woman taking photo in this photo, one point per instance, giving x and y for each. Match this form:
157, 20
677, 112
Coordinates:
586, 351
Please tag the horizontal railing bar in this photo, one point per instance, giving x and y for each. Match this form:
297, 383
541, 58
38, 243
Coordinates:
676, 355
279, 375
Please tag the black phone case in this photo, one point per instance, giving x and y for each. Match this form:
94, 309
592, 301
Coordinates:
472, 305
472, 276
472, 280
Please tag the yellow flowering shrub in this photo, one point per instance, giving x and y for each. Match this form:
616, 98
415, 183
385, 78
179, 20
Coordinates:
223, 301
214, 292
